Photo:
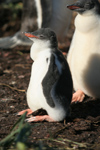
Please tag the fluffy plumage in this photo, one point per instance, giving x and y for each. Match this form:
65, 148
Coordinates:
50, 84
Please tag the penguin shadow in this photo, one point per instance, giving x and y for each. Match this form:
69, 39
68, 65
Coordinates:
91, 75
88, 108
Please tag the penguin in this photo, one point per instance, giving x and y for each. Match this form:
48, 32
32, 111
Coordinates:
40, 14
84, 53
50, 86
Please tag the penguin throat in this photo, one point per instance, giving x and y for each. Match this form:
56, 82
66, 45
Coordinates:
38, 51
86, 24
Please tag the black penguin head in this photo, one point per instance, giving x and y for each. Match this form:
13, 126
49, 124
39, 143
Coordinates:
43, 35
81, 6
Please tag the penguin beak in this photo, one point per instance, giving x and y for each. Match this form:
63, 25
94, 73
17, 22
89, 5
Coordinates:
30, 35
73, 7
78, 7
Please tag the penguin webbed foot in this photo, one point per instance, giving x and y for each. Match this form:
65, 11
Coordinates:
29, 112
78, 96
40, 119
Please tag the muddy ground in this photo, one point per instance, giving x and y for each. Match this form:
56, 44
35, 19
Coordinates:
15, 66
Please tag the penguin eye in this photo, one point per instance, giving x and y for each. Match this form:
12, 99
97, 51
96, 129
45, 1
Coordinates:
41, 36
52, 37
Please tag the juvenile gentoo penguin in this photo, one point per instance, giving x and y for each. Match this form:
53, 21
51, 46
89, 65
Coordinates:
84, 52
50, 84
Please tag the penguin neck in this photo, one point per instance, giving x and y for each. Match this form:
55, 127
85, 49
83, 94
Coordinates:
87, 22
38, 51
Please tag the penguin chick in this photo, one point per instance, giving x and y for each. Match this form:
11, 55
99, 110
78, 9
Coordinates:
84, 52
50, 84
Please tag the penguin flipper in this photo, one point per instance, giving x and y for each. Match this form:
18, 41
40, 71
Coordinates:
57, 83
62, 89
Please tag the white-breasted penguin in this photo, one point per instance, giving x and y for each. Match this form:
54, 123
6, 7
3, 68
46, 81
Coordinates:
50, 84
84, 52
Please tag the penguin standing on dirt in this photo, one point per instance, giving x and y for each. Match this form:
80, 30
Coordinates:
50, 84
84, 53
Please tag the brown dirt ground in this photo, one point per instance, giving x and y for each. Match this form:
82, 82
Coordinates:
15, 67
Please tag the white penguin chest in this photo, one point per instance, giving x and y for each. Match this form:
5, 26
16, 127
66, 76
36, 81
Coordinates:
84, 60
35, 93
39, 69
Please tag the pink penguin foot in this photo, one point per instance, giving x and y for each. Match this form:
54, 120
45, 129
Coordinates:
29, 112
40, 118
78, 96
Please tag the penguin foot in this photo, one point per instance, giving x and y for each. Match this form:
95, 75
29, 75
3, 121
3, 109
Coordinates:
78, 96
29, 112
40, 118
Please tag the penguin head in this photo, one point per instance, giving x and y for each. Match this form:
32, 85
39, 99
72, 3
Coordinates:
83, 6
43, 37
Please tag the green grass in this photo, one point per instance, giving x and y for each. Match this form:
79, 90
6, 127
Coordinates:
15, 8
12, 6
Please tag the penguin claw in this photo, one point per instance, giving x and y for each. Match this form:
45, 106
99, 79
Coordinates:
29, 112
40, 119
78, 96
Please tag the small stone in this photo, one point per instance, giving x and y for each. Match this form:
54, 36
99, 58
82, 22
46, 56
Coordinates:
1, 71
12, 107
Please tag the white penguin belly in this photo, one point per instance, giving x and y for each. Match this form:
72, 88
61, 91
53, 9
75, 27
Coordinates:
84, 62
35, 97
